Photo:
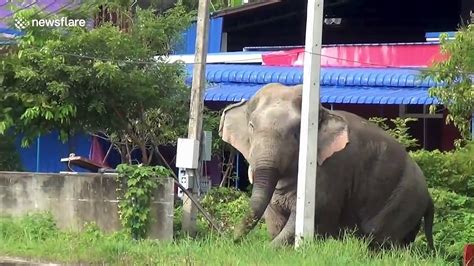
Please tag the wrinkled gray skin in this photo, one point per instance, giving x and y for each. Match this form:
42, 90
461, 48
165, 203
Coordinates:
366, 180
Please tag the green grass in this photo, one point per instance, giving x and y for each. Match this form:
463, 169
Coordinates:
37, 237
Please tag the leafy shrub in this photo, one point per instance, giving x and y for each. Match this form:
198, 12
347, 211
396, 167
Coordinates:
136, 186
9, 157
450, 176
452, 170
454, 222
226, 205
453, 77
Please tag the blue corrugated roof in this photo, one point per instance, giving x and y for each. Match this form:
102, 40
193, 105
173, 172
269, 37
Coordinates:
235, 92
395, 77
338, 85
11, 31
451, 34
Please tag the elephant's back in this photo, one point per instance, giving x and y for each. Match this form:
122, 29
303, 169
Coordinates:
378, 176
363, 128
377, 166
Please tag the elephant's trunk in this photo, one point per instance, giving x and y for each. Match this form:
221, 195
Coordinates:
262, 192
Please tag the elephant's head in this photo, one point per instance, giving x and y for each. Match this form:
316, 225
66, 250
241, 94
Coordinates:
265, 130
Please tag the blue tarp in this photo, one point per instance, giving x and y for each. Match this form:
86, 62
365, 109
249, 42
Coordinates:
233, 83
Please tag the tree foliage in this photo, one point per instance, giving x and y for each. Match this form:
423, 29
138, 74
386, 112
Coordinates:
104, 79
214, 5
9, 156
455, 74
399, 130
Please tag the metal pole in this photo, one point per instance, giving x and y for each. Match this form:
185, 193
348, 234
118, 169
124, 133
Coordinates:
38, 148
196, 112
307, 165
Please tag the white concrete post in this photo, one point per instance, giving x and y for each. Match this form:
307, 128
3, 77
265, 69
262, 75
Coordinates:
306, 194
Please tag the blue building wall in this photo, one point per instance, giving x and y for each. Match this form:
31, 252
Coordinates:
188, 44
45, 155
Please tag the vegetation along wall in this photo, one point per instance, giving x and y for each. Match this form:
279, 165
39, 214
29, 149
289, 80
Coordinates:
75, 199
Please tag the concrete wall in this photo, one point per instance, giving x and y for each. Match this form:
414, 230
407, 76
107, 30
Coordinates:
74, 199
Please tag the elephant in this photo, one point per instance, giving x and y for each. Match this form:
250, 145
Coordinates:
366, 180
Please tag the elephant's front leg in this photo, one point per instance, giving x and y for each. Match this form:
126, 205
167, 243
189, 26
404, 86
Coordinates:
275, 218
287, 234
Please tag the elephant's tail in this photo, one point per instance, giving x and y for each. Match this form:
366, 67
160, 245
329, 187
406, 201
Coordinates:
428, 219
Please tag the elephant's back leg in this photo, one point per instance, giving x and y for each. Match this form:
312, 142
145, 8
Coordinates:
390, 243
402, 211
398, 220
410, 237
275, 218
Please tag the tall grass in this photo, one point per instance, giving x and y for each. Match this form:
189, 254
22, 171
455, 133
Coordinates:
36, 236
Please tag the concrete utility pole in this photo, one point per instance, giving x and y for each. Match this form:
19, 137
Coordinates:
196, 111
306, 193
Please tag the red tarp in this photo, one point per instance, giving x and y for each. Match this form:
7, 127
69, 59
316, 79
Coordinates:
96, 153
374, 55
469, 255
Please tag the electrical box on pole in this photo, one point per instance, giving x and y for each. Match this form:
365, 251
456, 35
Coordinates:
187, 158
307, 165
187, 153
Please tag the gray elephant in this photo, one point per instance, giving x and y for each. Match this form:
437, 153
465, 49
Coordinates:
366, 182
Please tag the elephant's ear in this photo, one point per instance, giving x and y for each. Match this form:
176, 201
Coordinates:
333, 135
233, 127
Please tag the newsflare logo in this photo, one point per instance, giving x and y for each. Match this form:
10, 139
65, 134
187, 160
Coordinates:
22, 23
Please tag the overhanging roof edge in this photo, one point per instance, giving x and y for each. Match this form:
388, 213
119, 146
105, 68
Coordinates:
232, 92
330, 76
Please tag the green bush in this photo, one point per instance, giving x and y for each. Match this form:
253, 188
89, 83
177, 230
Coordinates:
450, 176
453, 171
9, 157
226, 205
454, 221
136, 186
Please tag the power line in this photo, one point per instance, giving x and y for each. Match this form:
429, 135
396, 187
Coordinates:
145, 62
25, 7
55, 12
245, 60
107, 59
237, 60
